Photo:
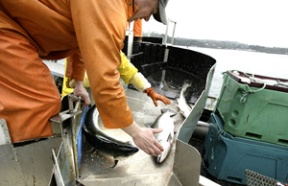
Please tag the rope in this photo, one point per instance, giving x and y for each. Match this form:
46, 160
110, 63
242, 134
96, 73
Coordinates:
249, 90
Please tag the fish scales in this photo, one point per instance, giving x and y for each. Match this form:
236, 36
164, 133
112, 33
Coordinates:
183, 106
167, 124
102, 142
165, 137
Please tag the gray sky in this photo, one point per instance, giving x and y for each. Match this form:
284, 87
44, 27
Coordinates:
260, 22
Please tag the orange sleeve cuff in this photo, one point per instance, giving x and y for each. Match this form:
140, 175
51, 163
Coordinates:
75, 68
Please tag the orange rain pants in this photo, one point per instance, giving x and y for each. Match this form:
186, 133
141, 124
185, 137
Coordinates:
26, 84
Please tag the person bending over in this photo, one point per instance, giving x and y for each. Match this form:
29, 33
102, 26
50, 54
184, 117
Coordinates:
31, 31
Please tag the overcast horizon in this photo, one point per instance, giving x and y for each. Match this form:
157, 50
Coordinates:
254, 22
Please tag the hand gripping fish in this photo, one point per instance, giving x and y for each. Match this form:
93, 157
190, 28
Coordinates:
102, 142
165, 137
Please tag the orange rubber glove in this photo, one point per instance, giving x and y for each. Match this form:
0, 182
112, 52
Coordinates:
155, 96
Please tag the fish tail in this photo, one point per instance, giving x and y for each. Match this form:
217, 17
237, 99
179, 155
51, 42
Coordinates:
164, 154
115, 163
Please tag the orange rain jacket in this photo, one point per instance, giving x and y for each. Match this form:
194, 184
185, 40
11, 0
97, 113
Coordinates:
53, 29
138, 28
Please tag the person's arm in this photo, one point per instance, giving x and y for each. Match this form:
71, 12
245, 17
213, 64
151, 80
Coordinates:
129, 73
144, 137
100, 28
75, 75
74, 67
81, 91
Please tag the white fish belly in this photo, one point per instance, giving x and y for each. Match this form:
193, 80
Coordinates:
167, 125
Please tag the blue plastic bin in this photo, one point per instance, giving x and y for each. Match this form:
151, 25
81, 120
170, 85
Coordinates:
227, 157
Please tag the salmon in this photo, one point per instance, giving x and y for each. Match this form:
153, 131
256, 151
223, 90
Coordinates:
102, 142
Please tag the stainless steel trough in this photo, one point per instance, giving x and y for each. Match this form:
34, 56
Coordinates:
54, 161
182, 167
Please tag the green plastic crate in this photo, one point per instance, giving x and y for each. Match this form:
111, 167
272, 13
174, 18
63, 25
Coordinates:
254, 107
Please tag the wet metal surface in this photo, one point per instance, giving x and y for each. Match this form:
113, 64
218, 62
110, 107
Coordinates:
66, 170
169, 81
182, 66
28, 163
139, 169
182, 166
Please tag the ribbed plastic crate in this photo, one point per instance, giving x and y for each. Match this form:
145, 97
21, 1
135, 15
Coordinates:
226, 157
254, 107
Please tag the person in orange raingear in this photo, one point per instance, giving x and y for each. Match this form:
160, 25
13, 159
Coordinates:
137, 30
47, 29
128, 73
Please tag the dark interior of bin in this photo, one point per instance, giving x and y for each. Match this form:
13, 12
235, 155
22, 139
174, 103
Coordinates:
182, 66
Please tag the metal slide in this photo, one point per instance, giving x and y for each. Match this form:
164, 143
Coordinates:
182, 167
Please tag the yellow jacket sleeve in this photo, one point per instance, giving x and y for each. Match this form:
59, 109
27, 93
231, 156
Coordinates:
130, 75
66, 89
140, 82
127, 70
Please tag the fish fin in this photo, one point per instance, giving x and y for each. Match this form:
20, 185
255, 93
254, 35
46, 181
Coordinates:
171, 111
163, 110
171, 137
186, 85
115, 163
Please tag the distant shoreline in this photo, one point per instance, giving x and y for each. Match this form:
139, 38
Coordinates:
231, 45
